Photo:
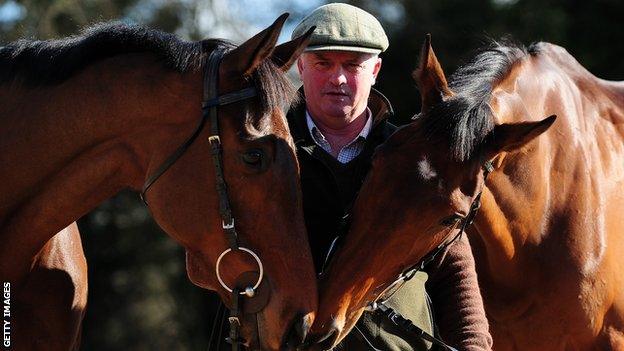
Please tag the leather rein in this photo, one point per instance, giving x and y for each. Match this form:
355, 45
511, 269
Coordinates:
211, 101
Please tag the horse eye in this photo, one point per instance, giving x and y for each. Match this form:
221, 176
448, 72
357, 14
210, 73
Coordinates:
450, 220
253, 157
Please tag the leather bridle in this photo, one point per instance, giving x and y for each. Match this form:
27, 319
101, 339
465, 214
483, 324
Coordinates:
211, 100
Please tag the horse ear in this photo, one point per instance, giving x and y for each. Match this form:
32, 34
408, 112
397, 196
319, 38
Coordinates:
430, 77
250, 54
512, 136
287, 53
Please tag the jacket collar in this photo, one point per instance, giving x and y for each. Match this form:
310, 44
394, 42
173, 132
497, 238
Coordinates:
380, 106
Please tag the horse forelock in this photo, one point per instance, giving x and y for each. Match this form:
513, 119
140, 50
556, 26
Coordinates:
276, 92
465, 119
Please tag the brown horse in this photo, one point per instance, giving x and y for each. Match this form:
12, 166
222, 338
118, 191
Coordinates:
83, 118
549, 238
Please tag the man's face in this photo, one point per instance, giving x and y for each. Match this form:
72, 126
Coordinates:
337, 83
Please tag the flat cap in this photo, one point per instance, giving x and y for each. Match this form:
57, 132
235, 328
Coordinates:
343, 27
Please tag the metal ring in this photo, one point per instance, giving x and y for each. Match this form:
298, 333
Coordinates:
252, 254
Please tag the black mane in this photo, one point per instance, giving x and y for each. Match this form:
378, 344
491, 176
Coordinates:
37, 63
465, 119
49, 62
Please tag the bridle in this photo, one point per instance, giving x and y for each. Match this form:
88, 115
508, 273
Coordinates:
212, 100
379, 303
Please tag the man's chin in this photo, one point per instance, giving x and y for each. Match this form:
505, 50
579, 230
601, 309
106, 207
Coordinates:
340, 111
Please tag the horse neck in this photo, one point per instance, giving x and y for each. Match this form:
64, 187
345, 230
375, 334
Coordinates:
511, 200
66, 148
514, 208
529, 210
605, 97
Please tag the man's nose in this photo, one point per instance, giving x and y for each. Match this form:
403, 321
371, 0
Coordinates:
338, 77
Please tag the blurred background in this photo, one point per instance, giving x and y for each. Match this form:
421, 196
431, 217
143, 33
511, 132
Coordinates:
139, 295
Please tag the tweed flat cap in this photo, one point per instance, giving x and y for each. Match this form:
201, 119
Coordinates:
343, 27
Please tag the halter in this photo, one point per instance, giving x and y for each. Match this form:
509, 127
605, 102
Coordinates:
378, 304
211, 100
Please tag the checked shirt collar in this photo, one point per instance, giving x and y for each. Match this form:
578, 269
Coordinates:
349, 151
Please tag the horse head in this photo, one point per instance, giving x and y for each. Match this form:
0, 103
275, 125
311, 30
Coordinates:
232, 196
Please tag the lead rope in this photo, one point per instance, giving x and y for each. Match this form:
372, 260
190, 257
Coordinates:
370, 344
407, 325
222, 323
234, 321
217, 323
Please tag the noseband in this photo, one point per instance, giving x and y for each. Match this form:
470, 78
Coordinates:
211, 100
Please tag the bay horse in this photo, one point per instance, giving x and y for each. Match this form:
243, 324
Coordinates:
549, 238
85, 117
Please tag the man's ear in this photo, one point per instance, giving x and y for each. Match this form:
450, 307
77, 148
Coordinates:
513, 136
300, 66
287, 53
246, 58
377, 67
430, 77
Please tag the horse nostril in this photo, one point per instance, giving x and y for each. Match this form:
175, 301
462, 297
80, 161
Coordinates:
297, 332
302, 327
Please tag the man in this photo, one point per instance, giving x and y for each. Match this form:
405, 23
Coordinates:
336, 130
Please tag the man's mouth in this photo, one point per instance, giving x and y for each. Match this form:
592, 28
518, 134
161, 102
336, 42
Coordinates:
336, 93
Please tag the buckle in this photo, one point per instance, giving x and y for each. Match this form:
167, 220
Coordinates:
214, 139
488, 167
233, 320
228, 226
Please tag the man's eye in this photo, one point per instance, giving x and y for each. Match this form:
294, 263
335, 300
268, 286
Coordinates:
354, 67
322, 64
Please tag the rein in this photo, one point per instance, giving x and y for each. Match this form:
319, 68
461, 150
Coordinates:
211, 100
396, 318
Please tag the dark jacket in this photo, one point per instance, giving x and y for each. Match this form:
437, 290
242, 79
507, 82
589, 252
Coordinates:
329, 189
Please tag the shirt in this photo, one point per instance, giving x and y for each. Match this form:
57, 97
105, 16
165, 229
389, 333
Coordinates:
349, 151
